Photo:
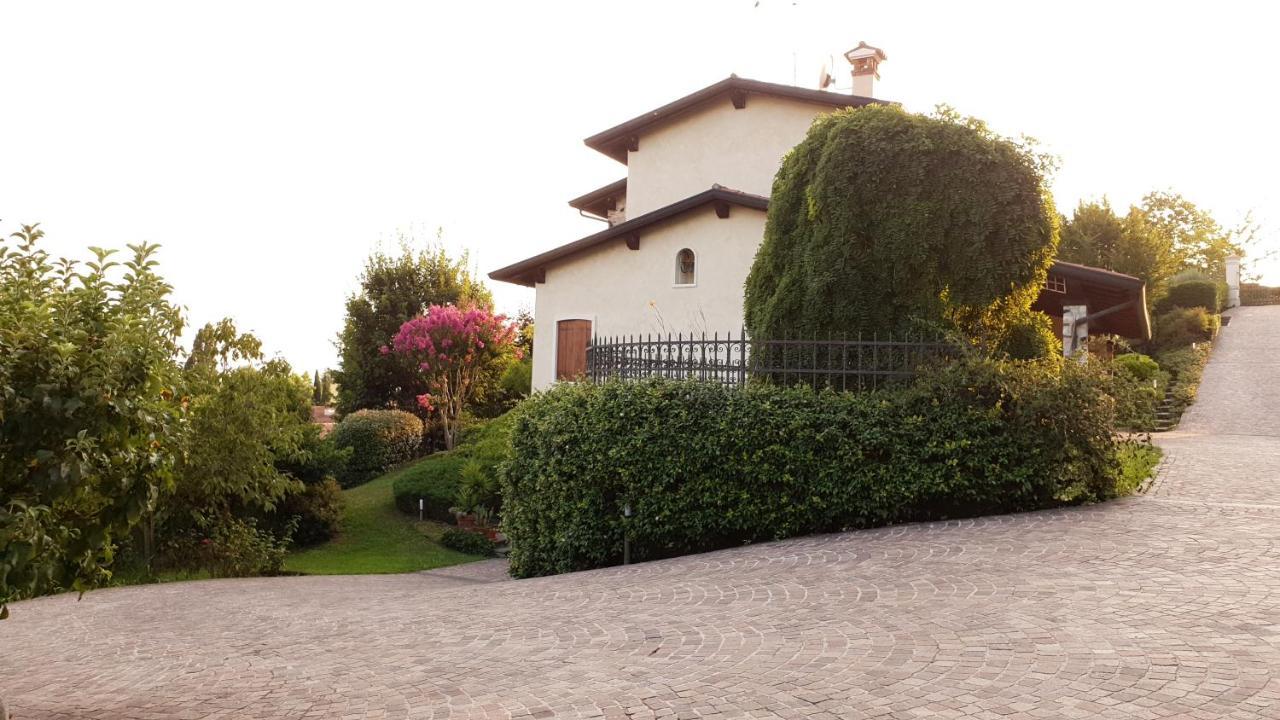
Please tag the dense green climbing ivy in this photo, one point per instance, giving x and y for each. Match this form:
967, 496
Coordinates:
883, 219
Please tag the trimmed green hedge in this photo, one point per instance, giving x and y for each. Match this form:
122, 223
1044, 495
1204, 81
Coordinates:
706, 467
1190, 294
1255, 294
437, 479
379, 440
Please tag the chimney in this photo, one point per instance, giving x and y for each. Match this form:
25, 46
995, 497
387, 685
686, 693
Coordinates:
865, 60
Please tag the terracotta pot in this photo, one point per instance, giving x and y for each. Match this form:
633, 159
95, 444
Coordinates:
466, 521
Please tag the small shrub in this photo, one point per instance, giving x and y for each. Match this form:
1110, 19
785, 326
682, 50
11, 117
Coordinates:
1030, 336
317, 512
1139, 367
466, 541
1138, 388
478, 488
379, 440
1181, 327
236, 548
1185, 366
1190, 294
704, 467
1136, 402
517, 380
1138, 460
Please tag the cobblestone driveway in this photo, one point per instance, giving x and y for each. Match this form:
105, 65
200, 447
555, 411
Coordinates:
1159, 606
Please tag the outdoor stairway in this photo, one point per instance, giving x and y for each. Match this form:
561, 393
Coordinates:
1166, 417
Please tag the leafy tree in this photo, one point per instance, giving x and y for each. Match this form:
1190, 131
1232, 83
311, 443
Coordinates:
881, 219
1132, 244
90, 423
452, 348
316, 393
241, 417
509, 380
1199, 241
394, 289
250, 426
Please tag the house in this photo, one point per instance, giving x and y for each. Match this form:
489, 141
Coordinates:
683, 226
325, 417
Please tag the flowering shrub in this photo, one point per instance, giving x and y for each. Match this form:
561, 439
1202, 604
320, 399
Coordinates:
451, 347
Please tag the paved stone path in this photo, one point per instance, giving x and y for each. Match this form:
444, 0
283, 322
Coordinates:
1163, 606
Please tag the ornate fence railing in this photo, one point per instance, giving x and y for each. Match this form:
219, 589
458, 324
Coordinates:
844, 364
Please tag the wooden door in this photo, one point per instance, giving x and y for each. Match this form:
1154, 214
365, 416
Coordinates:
572, 337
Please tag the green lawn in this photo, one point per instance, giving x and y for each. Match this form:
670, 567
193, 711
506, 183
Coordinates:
376, 538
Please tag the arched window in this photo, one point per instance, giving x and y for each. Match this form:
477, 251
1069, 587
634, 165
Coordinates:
686, 268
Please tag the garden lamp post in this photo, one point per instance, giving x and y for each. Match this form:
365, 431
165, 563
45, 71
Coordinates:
626, 536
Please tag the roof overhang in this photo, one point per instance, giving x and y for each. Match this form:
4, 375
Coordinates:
600, 201
533, 270
1100, 290
617, 140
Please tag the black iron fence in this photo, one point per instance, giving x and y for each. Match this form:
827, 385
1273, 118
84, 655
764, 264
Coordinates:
843, 364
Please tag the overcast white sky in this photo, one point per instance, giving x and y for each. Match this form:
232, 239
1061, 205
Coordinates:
269, 146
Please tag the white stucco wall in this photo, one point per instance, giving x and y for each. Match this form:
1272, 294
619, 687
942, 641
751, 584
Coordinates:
625, 291
740, 149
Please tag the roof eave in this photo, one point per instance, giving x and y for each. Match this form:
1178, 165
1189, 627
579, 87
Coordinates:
615, 141
588, 201
1135, 287
526, 272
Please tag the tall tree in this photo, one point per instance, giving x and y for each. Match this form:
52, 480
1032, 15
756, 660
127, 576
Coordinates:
1199, 241
1132, 244
90, 415
393, 289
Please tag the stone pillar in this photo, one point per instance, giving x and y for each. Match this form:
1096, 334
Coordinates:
1075, 331
1233, 281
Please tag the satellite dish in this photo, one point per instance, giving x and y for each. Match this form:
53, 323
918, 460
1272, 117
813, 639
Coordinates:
824, 78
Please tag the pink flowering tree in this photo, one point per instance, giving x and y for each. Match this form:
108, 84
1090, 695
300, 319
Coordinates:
451, 347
